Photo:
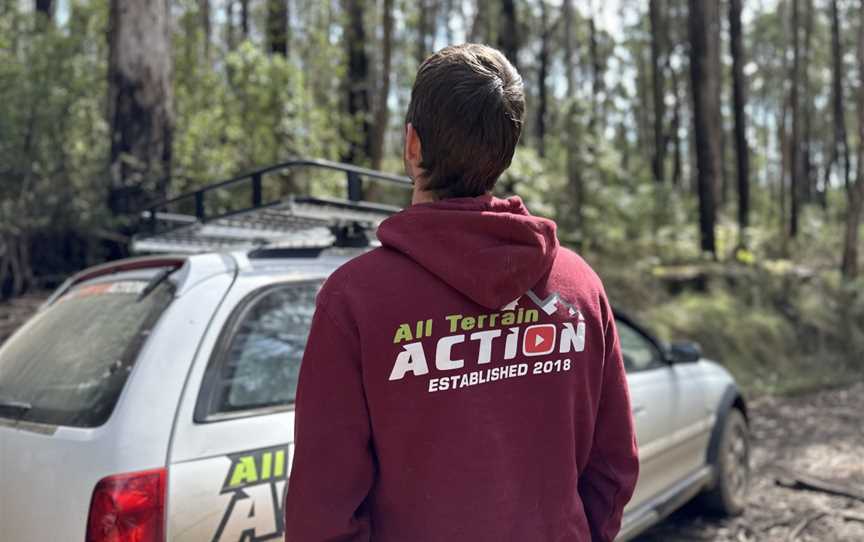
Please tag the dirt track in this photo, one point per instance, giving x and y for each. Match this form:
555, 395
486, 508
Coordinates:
819, 434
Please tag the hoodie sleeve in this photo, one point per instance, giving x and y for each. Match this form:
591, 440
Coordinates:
333, 468
609, 478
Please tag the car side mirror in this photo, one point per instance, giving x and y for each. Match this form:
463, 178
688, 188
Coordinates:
685, 352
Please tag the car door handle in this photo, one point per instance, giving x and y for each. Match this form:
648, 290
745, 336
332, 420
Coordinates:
638, 410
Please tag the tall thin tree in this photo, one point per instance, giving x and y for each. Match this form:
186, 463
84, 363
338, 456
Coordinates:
478, 32
795, 143
596, 75
807, 187
855, 191
840, 145
508, 33
658, 40
277, 27
230, 38
572, 136
427, 11
140, 99
382, 107
569, 45
206, 25
542, 75
45, 8
704, 80
244, 18
739, 97
357, 83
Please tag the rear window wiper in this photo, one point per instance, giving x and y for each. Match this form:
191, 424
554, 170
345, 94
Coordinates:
154, 282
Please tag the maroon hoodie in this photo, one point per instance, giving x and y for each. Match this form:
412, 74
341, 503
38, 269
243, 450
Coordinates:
462, 383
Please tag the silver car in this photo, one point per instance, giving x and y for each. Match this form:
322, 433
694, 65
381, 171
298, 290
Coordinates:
151, 399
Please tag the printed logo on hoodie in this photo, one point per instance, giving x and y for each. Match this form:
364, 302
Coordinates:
517, 328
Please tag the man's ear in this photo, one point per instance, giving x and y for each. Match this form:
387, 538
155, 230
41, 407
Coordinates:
413, 150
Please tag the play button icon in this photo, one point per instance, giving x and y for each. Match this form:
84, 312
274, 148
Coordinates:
539, 340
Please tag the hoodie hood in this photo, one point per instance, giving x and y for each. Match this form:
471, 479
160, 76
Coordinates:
491, 250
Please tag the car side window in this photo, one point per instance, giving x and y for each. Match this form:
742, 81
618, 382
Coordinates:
639, 352
258, 363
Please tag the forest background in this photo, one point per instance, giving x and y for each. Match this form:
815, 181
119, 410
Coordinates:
707, 157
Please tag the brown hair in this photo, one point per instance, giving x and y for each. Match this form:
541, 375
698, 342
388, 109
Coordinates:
466, 105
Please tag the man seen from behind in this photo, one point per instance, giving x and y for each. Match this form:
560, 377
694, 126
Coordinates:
464, 381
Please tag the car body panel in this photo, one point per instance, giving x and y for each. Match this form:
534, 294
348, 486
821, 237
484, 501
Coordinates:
674, 467
54, 470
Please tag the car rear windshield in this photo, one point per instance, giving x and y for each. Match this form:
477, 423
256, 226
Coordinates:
70, 364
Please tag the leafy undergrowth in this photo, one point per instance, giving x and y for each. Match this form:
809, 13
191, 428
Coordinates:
778, 327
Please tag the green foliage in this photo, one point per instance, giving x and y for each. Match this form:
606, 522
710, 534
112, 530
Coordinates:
53, 137
778, 328
248, 110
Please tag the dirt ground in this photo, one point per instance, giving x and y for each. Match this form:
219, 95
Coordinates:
819, 434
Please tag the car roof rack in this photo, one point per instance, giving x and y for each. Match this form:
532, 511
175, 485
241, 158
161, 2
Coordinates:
245, 214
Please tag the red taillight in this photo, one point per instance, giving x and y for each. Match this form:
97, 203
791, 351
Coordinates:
128, 508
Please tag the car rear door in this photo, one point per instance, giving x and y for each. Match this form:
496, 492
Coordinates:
233, 441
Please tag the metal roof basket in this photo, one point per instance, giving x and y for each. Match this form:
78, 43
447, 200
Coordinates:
215, 217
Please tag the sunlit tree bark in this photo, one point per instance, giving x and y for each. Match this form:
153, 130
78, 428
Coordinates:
140, 99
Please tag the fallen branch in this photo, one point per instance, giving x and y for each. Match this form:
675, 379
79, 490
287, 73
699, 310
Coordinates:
803, 525
848, 515
778, 523
799, 481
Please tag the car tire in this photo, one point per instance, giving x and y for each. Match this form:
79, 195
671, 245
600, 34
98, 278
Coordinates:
728, 495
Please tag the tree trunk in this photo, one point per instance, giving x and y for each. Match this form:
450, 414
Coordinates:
277, 26
807, 185
140, 100
658, 37
45, 8
856, 190
677, 155
723, 181
357, 84
244, 18
569, 49
572, 134
206, 24
644, 132
596, 76
702, 15
841, 143
382, 111
229, 25
739, 95
785, 168
478, 32
795, 144
425, 28
542, 74
508, 33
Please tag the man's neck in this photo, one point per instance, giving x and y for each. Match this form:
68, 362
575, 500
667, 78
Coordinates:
422, 196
